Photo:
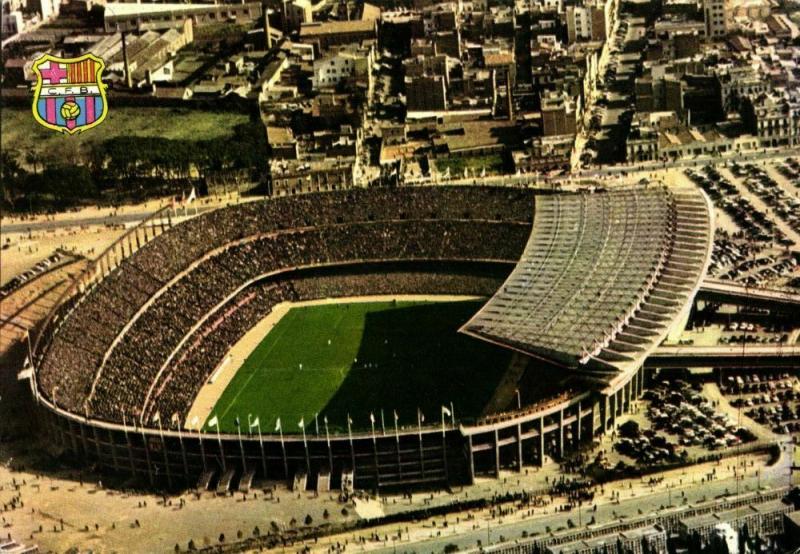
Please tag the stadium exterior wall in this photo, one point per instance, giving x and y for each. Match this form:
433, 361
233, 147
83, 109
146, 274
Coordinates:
413, 457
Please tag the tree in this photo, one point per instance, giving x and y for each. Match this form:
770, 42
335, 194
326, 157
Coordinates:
33, 159
629, 429
12, 177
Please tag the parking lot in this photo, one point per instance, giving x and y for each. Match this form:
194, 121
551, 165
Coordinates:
771, 399
753, 239
675, 420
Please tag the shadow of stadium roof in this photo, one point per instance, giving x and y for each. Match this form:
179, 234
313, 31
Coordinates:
603, 278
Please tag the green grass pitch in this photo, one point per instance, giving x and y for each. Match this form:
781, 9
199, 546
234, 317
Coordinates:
361, 358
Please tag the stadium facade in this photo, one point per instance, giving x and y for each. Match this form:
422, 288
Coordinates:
590, 281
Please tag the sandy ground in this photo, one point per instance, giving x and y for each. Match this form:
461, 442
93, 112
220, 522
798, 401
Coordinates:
210, 393
29, 304
105, 520
26, 250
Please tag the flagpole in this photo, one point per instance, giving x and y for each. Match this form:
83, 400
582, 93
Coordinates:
164, 450
183, 450
444, 446
350, 436
383, 425
202, 450
421, 450
261, 445
316, 422
283, 449
305, 446
30, 348
221, 451
328, 441
241, 444
375, 451
128, 442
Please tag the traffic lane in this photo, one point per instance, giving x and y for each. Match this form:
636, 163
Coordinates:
773, 477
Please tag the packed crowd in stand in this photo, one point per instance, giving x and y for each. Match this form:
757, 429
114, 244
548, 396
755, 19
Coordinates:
134, 332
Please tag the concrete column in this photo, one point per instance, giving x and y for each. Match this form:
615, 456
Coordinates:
74, 440
421, 456
112, 444
166, 460
83, 442
183, 456
96, 435
626, 397
604, 414
519, 447
147, 457
471, 460
130, 453
496, 453
541, 441
612, 410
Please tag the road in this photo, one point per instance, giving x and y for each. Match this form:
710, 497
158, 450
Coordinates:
576, 179
636, 497
121, 219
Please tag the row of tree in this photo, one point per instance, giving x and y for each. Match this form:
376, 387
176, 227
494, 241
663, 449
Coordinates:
125, 167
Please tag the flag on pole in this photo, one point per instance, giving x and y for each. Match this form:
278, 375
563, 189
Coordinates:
175, 419
278, 424
192, 196
157, 417
213, 422
302, 423
195, 419
255, 423
372, 418
27, 363
237, 422
395, 416
446, 411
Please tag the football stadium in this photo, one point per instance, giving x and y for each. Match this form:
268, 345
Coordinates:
376, 338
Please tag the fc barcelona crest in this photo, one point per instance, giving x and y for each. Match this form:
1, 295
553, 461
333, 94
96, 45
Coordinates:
69, 96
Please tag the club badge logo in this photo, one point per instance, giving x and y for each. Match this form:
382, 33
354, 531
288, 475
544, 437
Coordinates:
70, 96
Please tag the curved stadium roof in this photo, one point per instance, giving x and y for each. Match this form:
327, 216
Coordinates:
603, 278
